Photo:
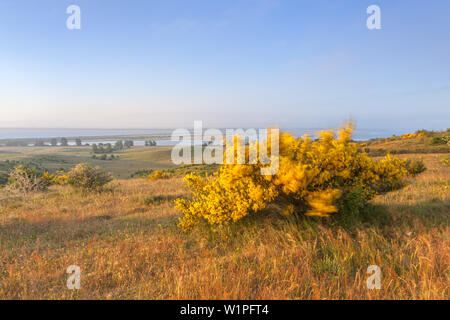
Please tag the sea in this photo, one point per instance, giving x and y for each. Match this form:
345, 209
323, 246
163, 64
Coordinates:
162, 136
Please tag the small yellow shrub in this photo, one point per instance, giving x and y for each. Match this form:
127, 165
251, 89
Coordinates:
61, 178
312, 177
158, 174
446, 161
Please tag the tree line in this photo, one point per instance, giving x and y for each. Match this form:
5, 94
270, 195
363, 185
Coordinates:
63, 142
108, 148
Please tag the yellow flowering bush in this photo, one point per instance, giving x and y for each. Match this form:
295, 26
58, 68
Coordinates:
411, 135
314, 178
49, 177
406, 136
59, 177
158, 174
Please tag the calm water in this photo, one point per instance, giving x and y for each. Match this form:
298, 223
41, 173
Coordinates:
33, 133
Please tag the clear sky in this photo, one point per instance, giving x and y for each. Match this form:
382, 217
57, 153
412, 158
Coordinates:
230, 63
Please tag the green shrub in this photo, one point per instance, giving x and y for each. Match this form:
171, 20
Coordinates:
142, 173
26, 180
434, 141
155, 199
88, 178
352, 202
415, 167
3, 178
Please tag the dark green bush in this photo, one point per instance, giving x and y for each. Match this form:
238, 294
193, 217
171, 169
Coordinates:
434, 141
352, 202
88, 178
3, 178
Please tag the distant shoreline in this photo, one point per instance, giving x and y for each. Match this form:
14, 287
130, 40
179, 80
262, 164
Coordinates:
30, 135
86, 139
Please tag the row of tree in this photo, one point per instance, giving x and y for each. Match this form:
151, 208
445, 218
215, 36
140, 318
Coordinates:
119, 145
54, 142
108, 148
105, 157
123, 144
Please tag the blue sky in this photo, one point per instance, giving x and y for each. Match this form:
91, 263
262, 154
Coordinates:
233, 63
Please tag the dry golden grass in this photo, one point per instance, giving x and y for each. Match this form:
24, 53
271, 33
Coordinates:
414, 145
128, 246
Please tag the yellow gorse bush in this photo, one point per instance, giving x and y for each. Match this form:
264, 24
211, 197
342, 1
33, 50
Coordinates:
60, 177
406, 136
313, 178
158, 174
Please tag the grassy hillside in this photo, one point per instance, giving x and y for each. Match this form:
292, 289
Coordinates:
128, 245
421, 142
55, 158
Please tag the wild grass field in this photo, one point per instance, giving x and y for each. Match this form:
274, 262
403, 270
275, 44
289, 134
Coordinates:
128, 245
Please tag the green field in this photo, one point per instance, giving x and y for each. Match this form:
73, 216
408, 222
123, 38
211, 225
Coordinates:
56, 158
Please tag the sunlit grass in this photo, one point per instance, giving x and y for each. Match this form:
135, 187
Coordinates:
128, 246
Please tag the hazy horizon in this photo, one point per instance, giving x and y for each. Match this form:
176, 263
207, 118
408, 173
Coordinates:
105, 134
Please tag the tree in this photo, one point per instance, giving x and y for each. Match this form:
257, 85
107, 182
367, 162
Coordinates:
53, 142
129, 143
108, 148
39, 143
64, 142
118, 145
78, 142
94, 148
